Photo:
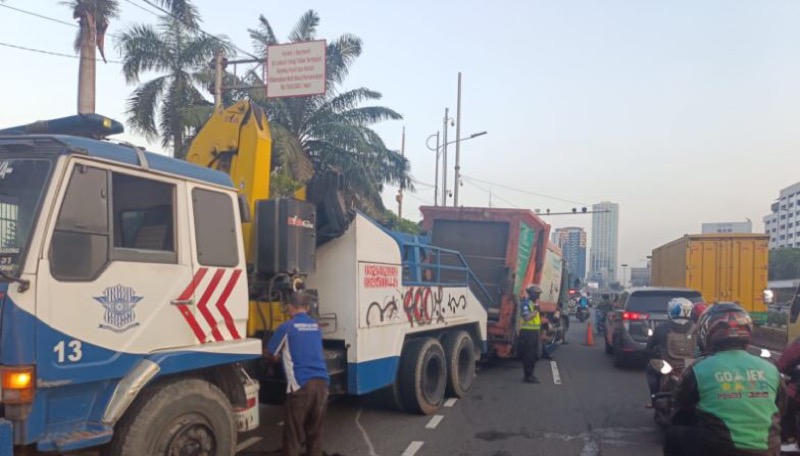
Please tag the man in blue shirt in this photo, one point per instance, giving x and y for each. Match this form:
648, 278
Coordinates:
298, 342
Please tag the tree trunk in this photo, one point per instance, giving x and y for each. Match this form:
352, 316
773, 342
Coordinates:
86, 72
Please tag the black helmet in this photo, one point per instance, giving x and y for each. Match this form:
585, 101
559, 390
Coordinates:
533, 288
725, 326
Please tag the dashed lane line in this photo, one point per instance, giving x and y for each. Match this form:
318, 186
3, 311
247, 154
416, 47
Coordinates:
556, 375
450, 402
434, 422
364, 433
412, 448
247, 443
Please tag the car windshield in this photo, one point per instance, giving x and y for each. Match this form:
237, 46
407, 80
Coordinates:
22, 181
656, 301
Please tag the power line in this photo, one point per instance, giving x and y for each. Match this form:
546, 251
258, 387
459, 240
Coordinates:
57, 54
198, 28
526, 191
418, 198
47, 18
489, 192
424, 184
31, 13
142, 7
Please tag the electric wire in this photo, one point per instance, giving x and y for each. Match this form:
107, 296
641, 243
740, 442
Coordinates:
493, 184
57, 54
489, 192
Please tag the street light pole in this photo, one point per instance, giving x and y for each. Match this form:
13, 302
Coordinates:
456, 183
624, 274
436, 175
444, 159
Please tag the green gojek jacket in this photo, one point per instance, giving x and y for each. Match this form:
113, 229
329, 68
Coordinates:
737, 398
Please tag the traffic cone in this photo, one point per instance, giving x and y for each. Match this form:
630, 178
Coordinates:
589, 334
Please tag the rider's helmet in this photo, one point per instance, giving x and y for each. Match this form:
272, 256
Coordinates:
725, 326
679, 310
533, 288
698, 310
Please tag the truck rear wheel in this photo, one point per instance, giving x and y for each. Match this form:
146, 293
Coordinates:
460, 353
188, 416
423, 373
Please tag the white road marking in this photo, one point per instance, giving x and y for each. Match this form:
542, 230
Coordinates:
412, 448
450, 402
247, 443
364, 433
556, 375
775, 354
434, 422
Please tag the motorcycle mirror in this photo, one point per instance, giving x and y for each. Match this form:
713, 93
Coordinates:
665, 368
765, 353
649, 332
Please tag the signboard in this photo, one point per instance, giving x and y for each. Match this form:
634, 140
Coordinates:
296, 69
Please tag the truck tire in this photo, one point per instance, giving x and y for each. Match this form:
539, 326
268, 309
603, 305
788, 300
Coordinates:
460, 355
423, 374
188, 416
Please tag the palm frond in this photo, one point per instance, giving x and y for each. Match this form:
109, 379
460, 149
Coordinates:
306, 28
184, 11
290, 153
262, 36
141, 107
342, 52
142, 49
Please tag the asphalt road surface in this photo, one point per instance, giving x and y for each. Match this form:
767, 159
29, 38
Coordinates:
588, 408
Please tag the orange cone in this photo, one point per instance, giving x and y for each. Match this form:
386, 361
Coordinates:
589, 334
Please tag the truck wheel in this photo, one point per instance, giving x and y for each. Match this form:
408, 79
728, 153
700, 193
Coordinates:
188, 416
423, 373
460, 354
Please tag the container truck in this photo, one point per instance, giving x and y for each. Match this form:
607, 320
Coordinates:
722, 267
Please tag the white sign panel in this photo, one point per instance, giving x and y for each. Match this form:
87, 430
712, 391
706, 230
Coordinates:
296, 69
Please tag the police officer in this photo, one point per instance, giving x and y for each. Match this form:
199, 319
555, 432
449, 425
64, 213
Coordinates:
298, 342
530, 331
729, 402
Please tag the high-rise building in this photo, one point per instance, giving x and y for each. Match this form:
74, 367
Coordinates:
640, 277
605, 241
572, 241
783, 222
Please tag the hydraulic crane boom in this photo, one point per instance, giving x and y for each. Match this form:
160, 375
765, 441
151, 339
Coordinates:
237, 141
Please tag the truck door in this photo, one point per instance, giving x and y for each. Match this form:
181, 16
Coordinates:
221, 297
116, 259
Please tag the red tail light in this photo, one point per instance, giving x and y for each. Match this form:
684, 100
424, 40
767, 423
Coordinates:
634, 316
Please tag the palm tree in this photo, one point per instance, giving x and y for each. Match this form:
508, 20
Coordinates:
333, 129
178, 51
93, 18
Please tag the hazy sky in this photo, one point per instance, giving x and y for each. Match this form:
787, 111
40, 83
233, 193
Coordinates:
682, 112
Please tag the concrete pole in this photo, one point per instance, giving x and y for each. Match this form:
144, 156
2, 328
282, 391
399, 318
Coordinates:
457, 183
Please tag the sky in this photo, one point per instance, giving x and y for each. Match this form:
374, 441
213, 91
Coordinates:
683, 112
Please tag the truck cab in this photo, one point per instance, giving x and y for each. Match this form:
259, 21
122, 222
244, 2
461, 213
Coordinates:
122, 299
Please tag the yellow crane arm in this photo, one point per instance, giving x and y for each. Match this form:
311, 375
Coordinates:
237, 141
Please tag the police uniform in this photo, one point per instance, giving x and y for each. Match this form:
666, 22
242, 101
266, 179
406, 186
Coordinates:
529, 334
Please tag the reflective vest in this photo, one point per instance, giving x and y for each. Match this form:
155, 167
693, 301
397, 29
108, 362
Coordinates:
535, 323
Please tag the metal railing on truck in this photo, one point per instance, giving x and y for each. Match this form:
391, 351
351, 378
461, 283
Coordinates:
427, 265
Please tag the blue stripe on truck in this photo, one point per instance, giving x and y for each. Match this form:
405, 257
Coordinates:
372, 375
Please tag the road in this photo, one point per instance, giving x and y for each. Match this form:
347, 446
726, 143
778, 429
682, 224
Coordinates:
595, 410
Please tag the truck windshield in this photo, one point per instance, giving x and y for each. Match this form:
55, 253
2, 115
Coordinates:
22, 182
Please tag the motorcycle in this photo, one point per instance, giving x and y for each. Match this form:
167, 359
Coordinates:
582, 314
662, 402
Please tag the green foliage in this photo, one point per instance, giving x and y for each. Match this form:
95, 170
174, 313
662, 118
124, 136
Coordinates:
333, 130
391, 221
168, 107
784, 264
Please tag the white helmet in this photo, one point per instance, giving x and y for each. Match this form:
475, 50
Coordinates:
679, 310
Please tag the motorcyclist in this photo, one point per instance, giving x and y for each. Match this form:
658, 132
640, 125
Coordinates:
674, 340
603, 307
788, 364
729, 402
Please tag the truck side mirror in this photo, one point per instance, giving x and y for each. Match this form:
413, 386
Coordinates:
244, 210
768, 296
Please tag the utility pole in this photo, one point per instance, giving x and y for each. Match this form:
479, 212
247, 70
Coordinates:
444, 159
457, 183
436, 178
218, 80
400, 190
